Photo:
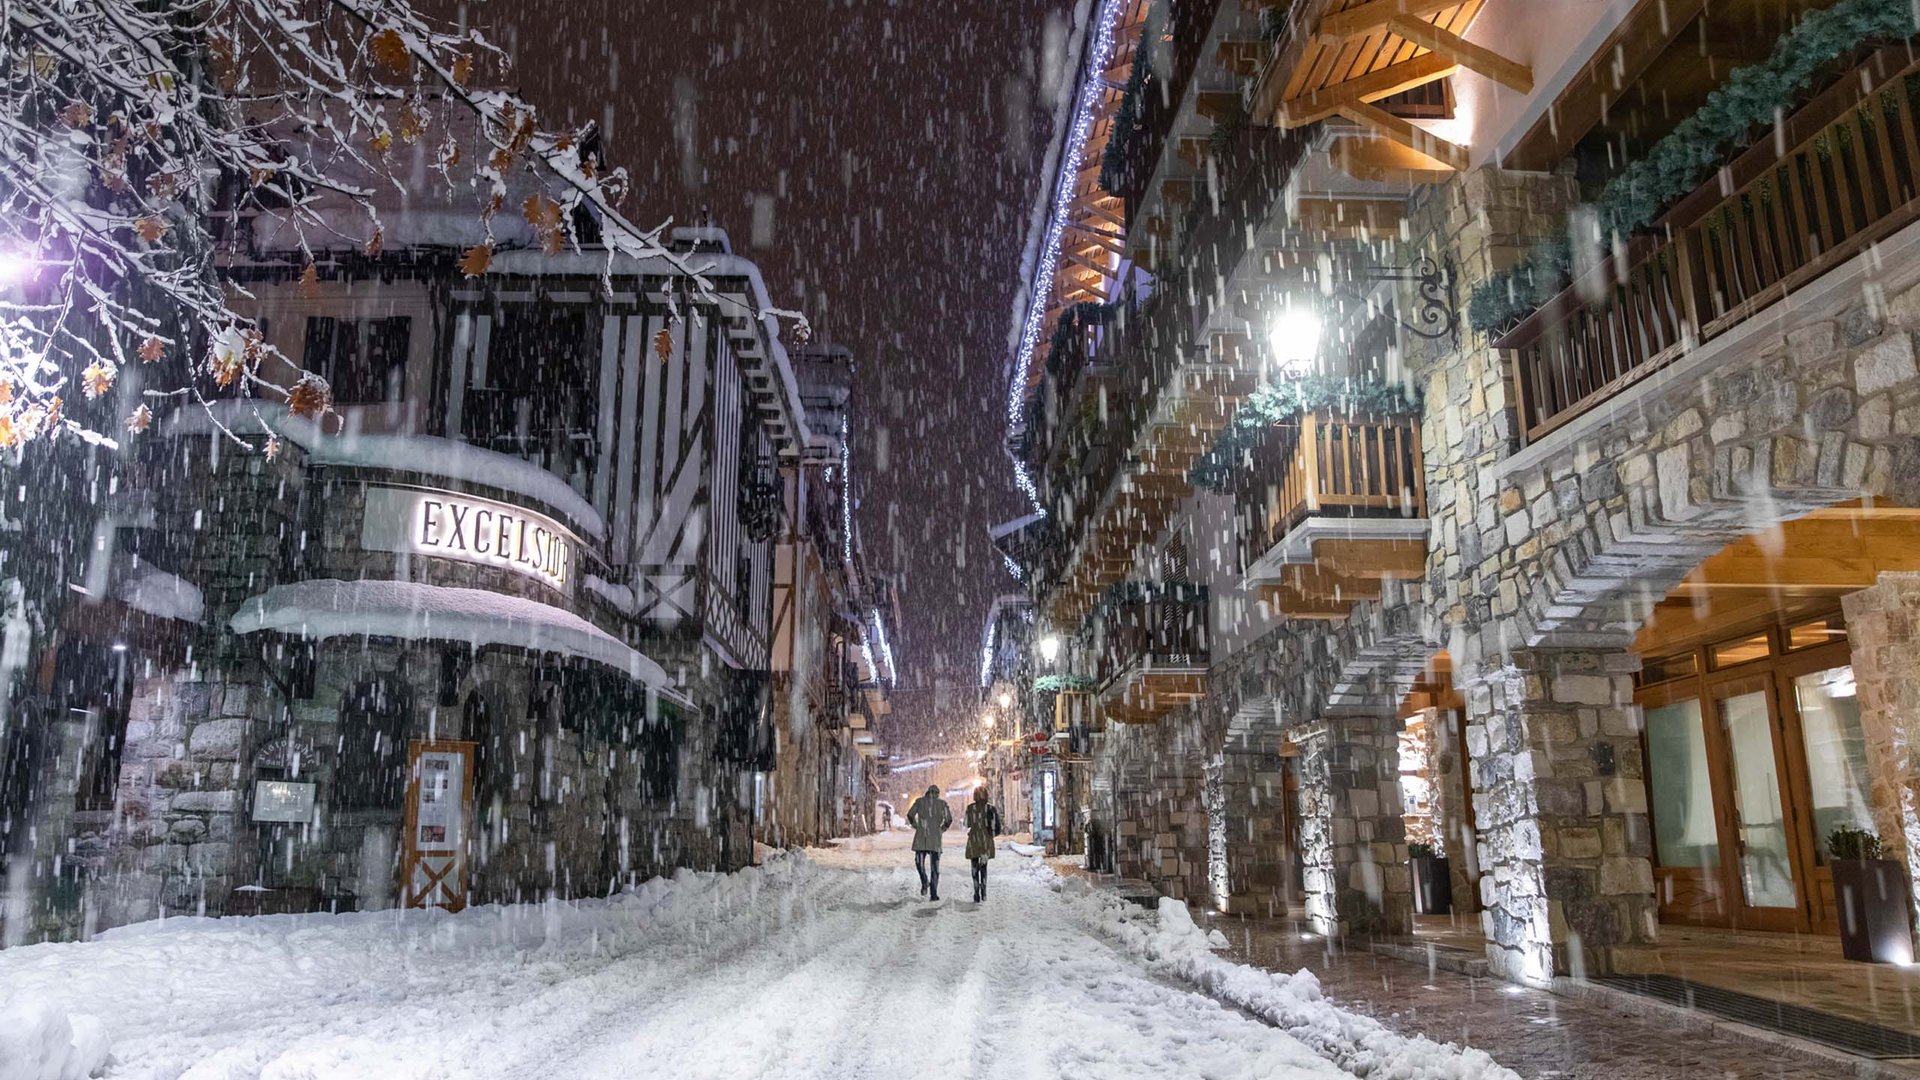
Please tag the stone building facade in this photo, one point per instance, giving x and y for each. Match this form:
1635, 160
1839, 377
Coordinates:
496, 628
1655, 533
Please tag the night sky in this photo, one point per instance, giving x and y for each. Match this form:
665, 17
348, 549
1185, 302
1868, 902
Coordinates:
897, 146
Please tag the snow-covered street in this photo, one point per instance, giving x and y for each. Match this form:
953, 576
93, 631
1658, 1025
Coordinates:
827, 965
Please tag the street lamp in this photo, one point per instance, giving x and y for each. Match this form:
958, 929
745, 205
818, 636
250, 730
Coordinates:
1006, 699
1050, 648
1293, 339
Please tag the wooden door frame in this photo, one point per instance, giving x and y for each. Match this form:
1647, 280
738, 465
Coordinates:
1754, 677
1667, 879
1822, 916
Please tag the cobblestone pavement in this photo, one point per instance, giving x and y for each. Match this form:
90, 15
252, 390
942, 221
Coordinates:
1535, 1033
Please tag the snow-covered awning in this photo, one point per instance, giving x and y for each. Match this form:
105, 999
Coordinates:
327, 608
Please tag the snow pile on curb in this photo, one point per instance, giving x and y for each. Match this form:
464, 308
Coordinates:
38, 1043
1169, 940
146, 969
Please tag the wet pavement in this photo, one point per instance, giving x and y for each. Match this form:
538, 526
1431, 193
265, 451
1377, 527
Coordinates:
1533, 1032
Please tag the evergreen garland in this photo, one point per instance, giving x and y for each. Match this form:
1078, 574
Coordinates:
1273, 24
1124, 593
1113, 161
1074, 320
1285, 400
1056, 684
1748, 101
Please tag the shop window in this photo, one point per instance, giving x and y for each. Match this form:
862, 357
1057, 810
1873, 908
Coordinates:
1681, 787
1727, 654
1818, 632
536, 393
91, 692
1663, 668
493, 764
659, 750
363, 360
1836, 752
372, 770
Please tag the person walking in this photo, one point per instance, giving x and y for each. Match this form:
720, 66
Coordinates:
929, 816
983, 825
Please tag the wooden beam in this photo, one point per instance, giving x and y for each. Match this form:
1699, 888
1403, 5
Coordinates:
1508, 73
1087, 264
1364, 17
1420, 140
1374, 85
1100, 236
1092, 208
1398, 559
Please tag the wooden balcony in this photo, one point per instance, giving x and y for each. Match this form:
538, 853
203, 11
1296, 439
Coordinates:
1331, 507
1153, 658
1839, 176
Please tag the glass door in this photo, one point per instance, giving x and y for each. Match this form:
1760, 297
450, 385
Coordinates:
1763, 855
1685, 810
1830, 782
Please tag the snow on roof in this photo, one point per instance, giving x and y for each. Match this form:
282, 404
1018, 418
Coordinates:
428, 454
708, 264
328, 607
156, 592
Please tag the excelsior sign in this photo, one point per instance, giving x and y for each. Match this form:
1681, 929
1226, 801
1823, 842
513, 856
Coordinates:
452, 526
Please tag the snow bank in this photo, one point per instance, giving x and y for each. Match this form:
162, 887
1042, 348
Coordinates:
1169, 940
236, 997
39, 1043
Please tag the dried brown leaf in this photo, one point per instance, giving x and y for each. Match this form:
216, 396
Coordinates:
475, 262
389, 50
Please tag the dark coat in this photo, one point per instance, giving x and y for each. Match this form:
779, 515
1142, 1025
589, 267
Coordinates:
929, 817
983, 824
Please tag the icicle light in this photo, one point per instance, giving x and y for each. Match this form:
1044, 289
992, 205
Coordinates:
1038, 289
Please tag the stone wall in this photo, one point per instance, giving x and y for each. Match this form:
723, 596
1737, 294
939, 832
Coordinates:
1352, 836
1883, 625
1566, 872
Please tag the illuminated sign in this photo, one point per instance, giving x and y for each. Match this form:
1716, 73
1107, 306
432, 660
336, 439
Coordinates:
452, 526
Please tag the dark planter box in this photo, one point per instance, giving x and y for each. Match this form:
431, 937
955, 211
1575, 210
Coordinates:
1873, 900
1432, 885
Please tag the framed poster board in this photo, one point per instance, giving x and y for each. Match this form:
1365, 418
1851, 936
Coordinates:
433, 866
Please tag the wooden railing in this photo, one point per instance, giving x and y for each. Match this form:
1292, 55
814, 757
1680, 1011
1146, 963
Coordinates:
1163, 96
1154, 635
1838, 176
1334, 466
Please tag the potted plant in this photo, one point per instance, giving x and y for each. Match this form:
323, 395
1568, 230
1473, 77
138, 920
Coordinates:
1432, 883
1871, 892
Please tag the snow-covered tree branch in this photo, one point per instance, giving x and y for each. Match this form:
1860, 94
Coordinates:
138, 140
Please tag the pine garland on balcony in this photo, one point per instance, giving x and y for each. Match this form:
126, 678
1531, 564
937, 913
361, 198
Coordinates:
1113, 161
1076, 319
1286, 399
1058, 684
1746, 103
1123, 593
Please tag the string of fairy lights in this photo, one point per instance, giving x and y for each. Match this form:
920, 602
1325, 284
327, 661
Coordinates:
1039, 289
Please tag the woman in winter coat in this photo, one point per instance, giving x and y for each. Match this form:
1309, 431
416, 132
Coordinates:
929, 816
983, 824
